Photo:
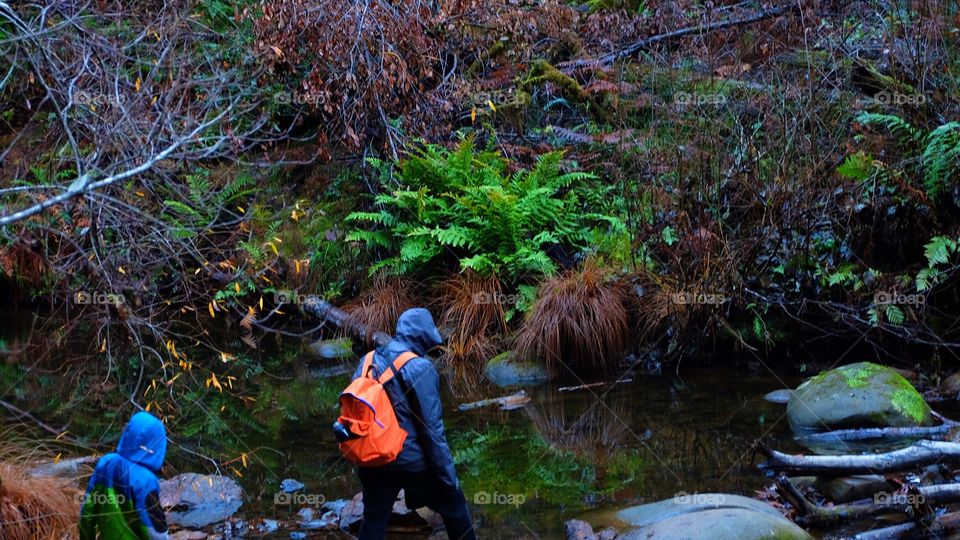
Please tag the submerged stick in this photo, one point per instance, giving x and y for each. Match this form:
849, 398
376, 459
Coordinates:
513, 401
918, 455
591, 385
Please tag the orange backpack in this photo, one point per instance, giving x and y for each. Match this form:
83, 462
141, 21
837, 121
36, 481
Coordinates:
366, 411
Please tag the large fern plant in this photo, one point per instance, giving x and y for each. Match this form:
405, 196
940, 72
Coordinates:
466, 204
937, 153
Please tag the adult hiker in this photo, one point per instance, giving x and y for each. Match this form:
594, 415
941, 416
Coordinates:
122, 501
391, 427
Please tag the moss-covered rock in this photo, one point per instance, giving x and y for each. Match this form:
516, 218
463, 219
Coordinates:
856, 396
506, 369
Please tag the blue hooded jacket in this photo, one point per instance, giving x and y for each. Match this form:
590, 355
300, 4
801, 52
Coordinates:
123, 496
415, 395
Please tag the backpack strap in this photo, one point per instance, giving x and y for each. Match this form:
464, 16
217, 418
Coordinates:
367, 364
397, 365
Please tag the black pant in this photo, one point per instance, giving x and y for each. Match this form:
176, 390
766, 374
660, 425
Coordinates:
380, 489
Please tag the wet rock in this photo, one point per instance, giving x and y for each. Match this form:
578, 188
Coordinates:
851, 488
289, 485
708, 516
188, 535
579, 530
403, 520
333, 349
268, 526
950, 387
856, 396
506, 369
197, 500
779, 396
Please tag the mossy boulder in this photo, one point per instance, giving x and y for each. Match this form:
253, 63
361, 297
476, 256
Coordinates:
333, 349
857, 396
506, 369
708, 516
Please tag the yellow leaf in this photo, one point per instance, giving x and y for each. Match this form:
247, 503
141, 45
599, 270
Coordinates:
236, 472
261, 303
226, 357
57, 459
473, 114
243, 459
273, 247
210, 308
236, 287
492, 107
242, 210
212, 381
140, 194
121, 270
297, 263
277, 51
175, 377
136, 85
103, 345
153, 101
197, 271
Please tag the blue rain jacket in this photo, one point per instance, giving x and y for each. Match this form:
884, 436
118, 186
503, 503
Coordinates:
122, 501
415, 395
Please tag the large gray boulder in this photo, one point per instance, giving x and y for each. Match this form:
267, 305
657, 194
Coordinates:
857, 396
197, 500
708, 516
506, 369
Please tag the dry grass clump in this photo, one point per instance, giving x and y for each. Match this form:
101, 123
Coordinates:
379, 307
34, 508
578, 324
473, 313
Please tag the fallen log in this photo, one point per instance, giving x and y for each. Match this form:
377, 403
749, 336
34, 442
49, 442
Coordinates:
507, 403
327, 312
918, 455
942, 431
810, 514
939, 526
638, 46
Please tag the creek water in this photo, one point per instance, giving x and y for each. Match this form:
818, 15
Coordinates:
525, 472
573, 454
